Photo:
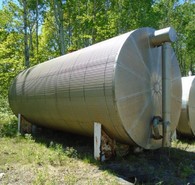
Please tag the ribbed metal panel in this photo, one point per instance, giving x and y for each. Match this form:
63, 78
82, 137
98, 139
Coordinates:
116, 82
186, 124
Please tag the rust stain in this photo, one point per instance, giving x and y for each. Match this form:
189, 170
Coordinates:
107, 147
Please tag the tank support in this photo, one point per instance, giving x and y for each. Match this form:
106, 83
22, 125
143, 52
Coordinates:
97, 140
19, 122
104, 146
23, 125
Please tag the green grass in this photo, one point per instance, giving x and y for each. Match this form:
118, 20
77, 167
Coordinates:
40, 160
25, 161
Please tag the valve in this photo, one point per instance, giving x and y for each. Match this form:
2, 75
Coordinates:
156, 120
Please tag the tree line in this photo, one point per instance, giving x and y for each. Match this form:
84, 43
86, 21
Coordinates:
33, 31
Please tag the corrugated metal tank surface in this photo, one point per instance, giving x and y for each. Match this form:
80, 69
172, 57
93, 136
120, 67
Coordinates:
186, 124
116, 82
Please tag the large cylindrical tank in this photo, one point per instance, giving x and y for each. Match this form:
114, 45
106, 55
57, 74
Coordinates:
116, 82
186, 124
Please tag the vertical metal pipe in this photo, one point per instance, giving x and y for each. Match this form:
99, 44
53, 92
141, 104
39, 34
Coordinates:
166, 92
164, 37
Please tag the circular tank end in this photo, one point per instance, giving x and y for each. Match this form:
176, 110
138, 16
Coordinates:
138, 88
186, 124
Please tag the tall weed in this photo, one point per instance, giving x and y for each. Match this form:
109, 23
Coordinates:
8, 122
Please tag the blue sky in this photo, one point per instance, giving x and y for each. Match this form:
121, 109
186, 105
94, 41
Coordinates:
1, 1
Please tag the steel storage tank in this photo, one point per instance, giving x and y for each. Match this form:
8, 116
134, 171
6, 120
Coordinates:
186, 124
116, 82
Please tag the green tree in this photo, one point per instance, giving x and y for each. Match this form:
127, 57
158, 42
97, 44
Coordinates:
10, 60
181, 16
11, 56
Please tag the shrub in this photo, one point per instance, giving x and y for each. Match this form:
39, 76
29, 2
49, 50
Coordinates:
9, 129
8, 122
